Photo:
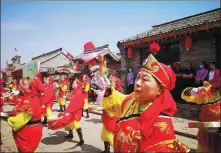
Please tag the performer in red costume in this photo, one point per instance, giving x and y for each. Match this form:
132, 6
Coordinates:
145, 123
115, 81
209, 136
48, 98
36, 85
63, 86
2, 93
86, 88
2, 90
14, 85
26, 121
70, 119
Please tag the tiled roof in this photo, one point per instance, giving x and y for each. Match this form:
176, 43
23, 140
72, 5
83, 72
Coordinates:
104, 50
47, 56
190, 21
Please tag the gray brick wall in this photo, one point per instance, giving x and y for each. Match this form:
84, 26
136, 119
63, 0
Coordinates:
203, 48
133, 61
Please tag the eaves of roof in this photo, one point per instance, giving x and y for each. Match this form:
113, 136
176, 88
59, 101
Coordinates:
209, 17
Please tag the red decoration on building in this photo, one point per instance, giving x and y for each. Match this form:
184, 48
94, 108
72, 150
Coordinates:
188, 42
91, 62
129, 52
78, 68
89, 46
154, 48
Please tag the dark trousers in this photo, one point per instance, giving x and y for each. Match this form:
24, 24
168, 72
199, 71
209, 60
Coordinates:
130, 88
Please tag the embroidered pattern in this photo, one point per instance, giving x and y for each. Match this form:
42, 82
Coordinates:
163, 127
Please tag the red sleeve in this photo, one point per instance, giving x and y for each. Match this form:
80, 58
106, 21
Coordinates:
24, 106
76, 101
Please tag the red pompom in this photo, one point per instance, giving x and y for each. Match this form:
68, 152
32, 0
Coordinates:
154, 48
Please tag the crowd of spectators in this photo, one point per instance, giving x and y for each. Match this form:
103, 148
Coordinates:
190, 77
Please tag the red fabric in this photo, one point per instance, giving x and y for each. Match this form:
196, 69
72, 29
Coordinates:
69, 55
118, 84
215, 82
2, 100
210, 112
63, 120
1, 81
89, 46
109, 122
31, 105
131, 129
61, 93
164, 103
28, 138
76, 103
37, 85
49, 96
39, 75
78, 68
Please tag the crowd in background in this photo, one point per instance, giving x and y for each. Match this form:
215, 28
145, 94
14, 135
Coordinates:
190, 77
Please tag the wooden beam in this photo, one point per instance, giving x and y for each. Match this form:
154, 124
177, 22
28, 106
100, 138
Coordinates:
172, 34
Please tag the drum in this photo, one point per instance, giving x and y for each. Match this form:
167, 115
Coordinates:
56, 122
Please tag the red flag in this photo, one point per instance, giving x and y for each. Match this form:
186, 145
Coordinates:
16, 49
69, 55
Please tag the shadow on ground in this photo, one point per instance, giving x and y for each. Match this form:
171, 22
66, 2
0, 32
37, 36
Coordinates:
85, 148
192, 150
56, 138
94, 120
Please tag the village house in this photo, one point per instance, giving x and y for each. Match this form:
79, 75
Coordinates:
90, 57
192, 39
50, 61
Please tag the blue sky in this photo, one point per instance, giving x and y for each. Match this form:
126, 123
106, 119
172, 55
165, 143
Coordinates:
35, 28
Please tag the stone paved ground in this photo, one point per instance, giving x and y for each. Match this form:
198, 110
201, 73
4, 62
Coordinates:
52, 141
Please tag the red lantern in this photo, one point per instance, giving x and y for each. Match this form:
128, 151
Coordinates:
188, 42
154, 48
129, 52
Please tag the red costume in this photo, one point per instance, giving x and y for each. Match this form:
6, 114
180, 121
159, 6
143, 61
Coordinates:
2, 91
208, 138
72, 115
26, 119
117, 82
37, 86
49, 95
62, 93
28, 113
147, 127
76, 103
